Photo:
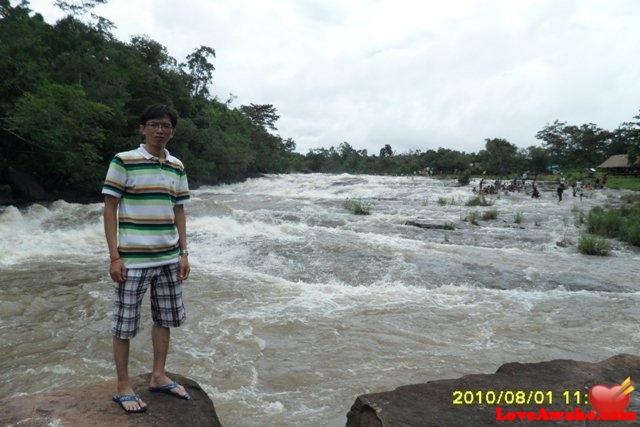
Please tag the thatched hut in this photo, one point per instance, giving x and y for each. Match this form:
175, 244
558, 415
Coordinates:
618, 164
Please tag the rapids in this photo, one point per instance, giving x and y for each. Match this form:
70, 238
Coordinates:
296, 306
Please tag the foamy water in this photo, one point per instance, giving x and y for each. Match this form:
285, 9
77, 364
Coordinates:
295, 306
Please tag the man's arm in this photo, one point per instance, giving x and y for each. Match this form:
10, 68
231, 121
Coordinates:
181, 225
117, 270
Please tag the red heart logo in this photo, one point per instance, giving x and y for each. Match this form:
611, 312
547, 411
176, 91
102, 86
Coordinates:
601, 399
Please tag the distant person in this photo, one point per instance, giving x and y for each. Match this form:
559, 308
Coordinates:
535, 194
145, 227
581, 192
560, 190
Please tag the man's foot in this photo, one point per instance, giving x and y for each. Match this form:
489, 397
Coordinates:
130, 403
171, 388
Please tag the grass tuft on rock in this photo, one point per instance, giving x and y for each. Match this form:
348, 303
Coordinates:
357, 207
593, 245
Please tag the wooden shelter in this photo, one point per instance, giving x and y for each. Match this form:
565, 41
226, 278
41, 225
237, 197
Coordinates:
618, 164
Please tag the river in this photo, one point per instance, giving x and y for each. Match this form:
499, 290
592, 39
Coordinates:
295, 306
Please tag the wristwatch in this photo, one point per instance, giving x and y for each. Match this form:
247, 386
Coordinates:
184, 252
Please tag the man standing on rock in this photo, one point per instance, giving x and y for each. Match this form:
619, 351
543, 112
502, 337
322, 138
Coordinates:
145, 227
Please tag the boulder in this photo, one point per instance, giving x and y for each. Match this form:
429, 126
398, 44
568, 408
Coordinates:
24, 186
430, 225
6, 195
92, 406
557, 385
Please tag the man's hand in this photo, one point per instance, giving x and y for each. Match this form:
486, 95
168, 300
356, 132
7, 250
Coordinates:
184, 268
117, 271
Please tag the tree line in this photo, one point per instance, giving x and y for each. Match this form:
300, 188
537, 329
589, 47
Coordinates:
71, 94
563, 147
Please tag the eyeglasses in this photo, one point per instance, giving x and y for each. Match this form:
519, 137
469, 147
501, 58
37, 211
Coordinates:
155, 125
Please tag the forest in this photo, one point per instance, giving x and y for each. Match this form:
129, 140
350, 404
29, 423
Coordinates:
71, 94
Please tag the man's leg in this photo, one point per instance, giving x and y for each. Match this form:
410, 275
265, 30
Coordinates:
126, 319
167, 309
123, 387
160, 337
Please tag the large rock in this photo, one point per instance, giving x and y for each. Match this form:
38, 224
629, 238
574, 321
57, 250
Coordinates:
92, 406
24, 186
6, 195
431, 404
431, 225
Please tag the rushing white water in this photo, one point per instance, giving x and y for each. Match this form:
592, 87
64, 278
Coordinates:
296, 306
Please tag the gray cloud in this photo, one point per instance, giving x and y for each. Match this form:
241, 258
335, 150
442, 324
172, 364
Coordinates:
412, 74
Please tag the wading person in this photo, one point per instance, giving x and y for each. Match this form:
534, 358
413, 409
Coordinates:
535, 193
145, 227
560, 190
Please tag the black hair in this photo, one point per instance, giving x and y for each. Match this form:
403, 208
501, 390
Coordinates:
157, 111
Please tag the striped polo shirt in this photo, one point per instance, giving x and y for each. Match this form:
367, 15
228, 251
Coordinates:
148, 191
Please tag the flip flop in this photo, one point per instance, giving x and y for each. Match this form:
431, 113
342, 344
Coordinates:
128, 398
166, 389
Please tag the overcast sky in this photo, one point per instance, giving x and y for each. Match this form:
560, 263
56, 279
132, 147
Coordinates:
416, 75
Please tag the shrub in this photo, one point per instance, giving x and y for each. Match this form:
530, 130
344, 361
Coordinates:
630, 198
628, 182
357, 207
465, 178
632, 231
478, 201
565, 242
605, 223
593, 245
579, 217
473, 217
442, 201
517, 218
490, 214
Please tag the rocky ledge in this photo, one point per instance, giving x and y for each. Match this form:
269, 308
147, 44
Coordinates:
558, 385
92, 406
555, 386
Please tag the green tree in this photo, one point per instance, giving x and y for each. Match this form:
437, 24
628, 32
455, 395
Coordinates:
201, 70
77, 8
556, 141
24, 55
587, 144
537, 158
349, 156
153, 54
446, 161
499, 156
62, 134
264, 116
626, 139
386, 151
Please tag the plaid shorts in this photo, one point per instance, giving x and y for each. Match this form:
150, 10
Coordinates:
167, 307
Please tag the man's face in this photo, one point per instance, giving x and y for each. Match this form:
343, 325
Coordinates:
158, 132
